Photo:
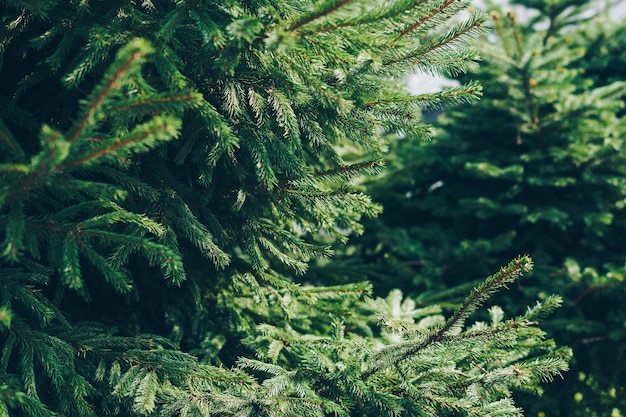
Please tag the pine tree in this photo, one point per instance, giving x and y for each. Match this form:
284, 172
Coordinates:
536, 167
169, 170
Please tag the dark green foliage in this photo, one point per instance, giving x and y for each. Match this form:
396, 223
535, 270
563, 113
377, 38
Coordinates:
536, 167
169, 170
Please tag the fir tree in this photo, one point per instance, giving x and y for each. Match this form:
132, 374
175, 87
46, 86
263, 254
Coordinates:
169, 169
536, 167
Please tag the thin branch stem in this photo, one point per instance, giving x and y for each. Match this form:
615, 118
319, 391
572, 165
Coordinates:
97, 101
354, 167
112, 148
456, 36
322, 13
360, 20
440, 334
423, 20
477, 295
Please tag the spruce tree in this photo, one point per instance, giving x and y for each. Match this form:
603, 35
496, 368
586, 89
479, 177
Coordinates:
536, 167
169, 170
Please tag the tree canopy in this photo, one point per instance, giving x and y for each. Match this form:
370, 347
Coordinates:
169, 171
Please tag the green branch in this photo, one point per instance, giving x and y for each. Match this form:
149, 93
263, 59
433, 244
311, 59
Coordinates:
131, 54
423, 20
337, 5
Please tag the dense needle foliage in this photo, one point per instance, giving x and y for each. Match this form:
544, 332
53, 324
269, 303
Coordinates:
538, 166
168, 171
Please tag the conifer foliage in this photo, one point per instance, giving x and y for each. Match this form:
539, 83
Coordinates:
536, 167
168, 171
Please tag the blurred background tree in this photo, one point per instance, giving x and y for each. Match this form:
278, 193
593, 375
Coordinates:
538, 166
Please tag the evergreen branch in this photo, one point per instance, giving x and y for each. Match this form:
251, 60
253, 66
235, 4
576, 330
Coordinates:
26, 368
435, 100
441, 43
17, 289
450, 62
142, 138
145, 395
347, 172
326, 9
14, 146
15, 168
285, 115
482, 292
355, 290
69, 213
131, 183
114, 276
291, 241
55, 357
173, 21
173, 362
120, 215
251, 248
423, 20
170, 260
55, 149
27, 404
395, 354
276, 281
496, 18
71, 273
140, 106
41, 11
485, 289
179, 216
523, 72
256, 365
226, 142
129, 56
315, 194
265, 174
88, 195
516, 37
209, 29
376, 15
15, 226
543, 308
299, 266
167, 258
6, 316
127, 381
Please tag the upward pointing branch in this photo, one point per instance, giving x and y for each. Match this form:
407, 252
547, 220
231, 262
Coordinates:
423, 20
319, 14
481, 293
136, 51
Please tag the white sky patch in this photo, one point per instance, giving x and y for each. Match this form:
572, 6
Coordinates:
422, 84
